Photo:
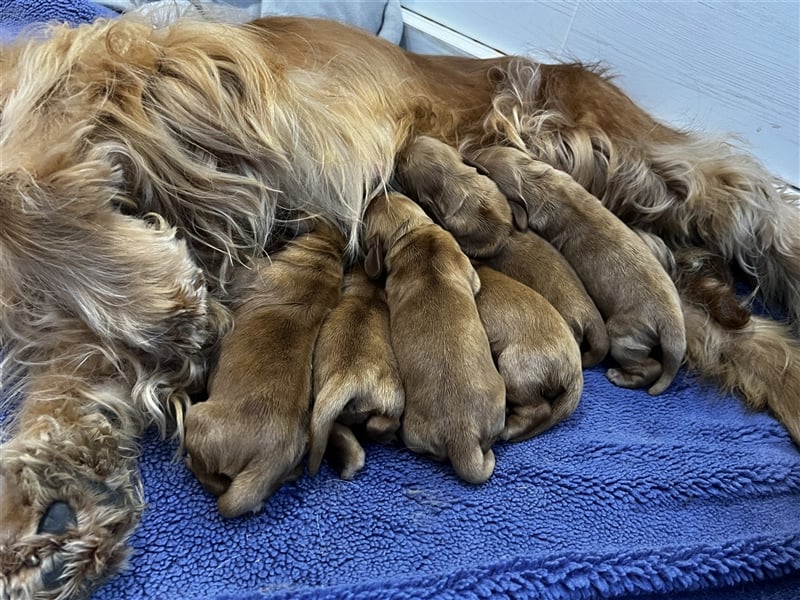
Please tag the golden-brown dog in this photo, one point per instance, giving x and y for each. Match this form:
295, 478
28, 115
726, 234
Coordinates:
356, 379
251, 434
533, 261
455, 398
536, 354
629, 286
142, 165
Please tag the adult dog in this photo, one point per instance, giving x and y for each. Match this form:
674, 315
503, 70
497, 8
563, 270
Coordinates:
141, 166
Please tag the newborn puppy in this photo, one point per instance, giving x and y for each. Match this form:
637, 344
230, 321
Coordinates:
630, 288
469, 205
536, 354
457, 195
533, 261
455, 398
355, 371
250, 436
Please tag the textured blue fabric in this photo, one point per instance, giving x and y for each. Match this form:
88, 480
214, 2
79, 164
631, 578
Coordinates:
633, 495
686, 496
15, 15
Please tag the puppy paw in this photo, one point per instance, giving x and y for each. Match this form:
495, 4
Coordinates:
69, 501
241, 459
524, 421
636, 376
344, 452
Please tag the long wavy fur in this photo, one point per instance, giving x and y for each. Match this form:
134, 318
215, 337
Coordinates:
688, 189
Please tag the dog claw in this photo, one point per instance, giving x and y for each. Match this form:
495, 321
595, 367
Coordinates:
57, 519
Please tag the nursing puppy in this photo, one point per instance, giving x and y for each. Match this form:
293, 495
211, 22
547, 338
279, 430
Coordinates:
634, 294
536, 354
458, 196
356, 379
251, 434
455, 398
462, 199
529, 259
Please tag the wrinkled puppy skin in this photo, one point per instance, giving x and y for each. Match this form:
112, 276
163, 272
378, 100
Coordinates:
250, 436
455, 398
535, 262
356, 379
631, 289
457, 195
536, 354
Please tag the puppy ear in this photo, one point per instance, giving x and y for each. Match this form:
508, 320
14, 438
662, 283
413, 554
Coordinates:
519, 211
373, 264
481, 169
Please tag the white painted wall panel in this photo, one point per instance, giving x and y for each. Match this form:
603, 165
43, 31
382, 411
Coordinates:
725, 67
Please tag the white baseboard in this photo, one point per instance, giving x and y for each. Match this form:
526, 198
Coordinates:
424, 36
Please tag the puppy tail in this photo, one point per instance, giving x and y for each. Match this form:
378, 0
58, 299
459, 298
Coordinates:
760, 363
328, 405
595, 344
470, 463
673, 349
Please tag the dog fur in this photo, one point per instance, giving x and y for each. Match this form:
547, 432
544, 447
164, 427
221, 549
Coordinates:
356, 378
143, 166
344, 452
460, 197
634, 294
251, 435
455, 398
751, 356
535, 352
533, 261
456, 195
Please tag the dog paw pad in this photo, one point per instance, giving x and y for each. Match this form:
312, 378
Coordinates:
57, 519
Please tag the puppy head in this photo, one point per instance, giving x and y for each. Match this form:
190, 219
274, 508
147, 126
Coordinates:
387, 218
457, 194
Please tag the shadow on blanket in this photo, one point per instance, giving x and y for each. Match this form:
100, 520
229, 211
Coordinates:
686, 494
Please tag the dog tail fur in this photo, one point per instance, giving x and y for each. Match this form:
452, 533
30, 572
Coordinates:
328, 405
760, 363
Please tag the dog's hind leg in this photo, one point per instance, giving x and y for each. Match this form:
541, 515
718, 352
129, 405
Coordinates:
70, 494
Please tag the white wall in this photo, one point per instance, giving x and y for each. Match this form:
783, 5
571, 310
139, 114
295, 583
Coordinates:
724, 67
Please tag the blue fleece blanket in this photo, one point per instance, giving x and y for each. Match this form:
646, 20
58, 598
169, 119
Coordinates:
683, 496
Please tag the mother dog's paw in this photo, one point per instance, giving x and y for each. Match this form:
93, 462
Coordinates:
66, 513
